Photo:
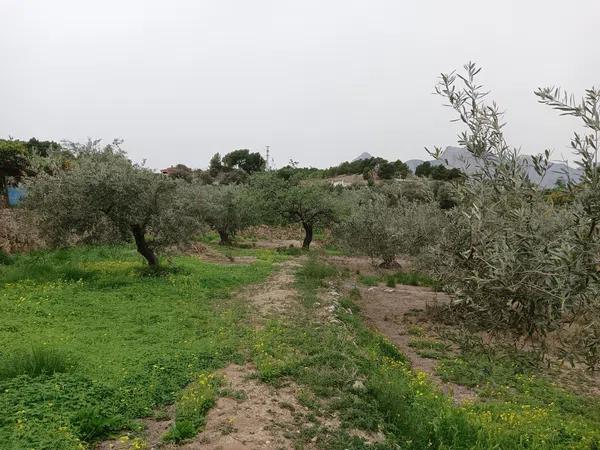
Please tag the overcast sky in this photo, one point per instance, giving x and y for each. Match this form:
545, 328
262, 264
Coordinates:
318, 81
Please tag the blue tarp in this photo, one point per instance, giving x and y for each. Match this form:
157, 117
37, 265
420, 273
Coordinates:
15, 195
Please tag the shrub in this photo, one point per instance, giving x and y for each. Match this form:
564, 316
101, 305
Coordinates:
92, 423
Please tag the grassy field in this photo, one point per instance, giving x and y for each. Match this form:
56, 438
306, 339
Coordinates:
518, 410
90, 341
122, 340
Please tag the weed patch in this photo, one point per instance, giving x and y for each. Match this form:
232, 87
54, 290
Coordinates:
33, 362
369, 280
137, 340
191, 407
412, 279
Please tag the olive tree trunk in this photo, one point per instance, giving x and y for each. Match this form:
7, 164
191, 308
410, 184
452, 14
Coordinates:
308, 235
142, 246
225, 238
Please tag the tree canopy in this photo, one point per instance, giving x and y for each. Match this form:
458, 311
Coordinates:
438, 172
226, 209
290, 200
104, 196
245, 160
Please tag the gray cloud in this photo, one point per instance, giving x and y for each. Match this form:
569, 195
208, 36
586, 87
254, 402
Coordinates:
318, 81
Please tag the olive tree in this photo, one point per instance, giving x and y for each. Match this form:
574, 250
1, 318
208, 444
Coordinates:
581, 252
226, 209
385, 229
294, 200
104, 196
514, 260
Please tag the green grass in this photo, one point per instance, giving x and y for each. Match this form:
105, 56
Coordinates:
191, 407
310, 276
429, 348
391, 280
33, 362
89, 342
327, 359
497, 375
411, 279
428, 344
369, 280
5, 259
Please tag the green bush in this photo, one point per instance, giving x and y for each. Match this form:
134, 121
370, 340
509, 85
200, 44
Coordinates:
514, 260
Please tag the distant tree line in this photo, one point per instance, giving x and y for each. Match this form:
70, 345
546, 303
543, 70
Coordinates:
370, 167
22, 158
233, 168
438, 172
380, 168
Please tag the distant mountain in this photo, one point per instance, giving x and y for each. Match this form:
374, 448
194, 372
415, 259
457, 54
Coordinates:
363, 155
460, 158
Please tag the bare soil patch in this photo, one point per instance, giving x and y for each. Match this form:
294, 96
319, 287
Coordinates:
260, 417
263, 417
279, 243
277, 295
392, 311
209, 254
364, 265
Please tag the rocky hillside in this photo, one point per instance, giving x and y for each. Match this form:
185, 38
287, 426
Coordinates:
460, 158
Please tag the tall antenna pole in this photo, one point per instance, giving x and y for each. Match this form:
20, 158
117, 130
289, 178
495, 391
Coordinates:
268, 157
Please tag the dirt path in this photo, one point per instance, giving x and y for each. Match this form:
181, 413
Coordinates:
259, 417
277, 295
253, 415
262, 417
392, 311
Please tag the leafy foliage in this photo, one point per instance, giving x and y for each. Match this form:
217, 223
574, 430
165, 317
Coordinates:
383, 168
388, 170
513, 259
438, 172
386, 229
104, 197
249, 162
292, 200
227, 209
